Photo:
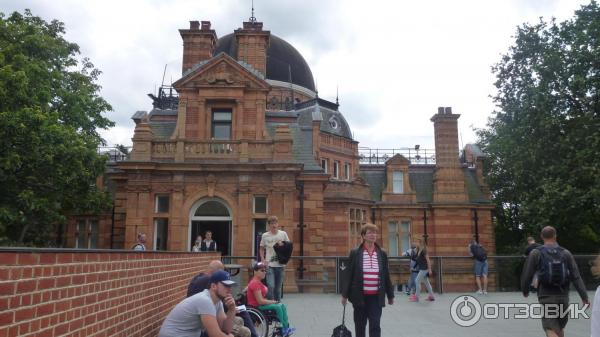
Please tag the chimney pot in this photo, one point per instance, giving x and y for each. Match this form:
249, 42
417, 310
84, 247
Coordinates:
194, 25
441, 110
448, 110
205, 25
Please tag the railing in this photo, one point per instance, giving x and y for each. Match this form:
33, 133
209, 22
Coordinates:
115, 153
416, 155
450, 273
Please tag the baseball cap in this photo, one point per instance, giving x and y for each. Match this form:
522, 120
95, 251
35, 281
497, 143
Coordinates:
223, 277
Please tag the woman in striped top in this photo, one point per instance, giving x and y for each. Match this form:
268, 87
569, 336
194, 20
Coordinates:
368, 283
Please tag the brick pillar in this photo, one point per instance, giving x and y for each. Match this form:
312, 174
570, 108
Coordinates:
252, 45
448, 180
199, 43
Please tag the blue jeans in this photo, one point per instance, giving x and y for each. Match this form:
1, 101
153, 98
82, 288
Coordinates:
275, 282
422, 277
411, 282
481, 268
371, 311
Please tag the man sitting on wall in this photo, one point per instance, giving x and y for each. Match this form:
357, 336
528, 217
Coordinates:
201, 282
203, 313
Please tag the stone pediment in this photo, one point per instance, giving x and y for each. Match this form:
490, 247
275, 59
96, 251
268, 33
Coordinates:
398, 160
222, 71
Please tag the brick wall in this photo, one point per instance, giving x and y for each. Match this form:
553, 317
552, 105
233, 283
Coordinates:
92, 293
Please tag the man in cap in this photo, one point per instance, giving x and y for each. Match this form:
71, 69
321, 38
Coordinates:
204, 312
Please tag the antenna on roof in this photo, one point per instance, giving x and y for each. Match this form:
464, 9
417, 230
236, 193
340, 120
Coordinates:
252, 18
163, 79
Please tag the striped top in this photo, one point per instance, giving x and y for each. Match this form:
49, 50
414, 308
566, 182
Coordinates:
370, 272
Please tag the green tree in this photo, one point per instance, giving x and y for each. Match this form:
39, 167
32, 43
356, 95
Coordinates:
50, 111
544, 138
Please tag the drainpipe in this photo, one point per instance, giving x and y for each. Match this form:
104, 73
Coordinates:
425, 235
112, 226
301, 225
475, 220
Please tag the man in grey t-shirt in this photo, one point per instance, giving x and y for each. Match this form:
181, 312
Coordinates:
203, 311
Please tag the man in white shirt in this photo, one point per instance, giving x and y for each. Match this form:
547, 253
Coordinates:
275, 272
204, 311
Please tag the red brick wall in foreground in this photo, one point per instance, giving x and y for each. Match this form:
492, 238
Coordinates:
92, 293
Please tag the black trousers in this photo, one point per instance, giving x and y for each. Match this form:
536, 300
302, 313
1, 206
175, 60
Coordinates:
371, 312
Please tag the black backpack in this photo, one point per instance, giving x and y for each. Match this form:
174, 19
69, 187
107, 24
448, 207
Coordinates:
478, 252
553, 269
341, 330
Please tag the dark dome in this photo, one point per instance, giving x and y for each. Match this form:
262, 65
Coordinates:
280, 54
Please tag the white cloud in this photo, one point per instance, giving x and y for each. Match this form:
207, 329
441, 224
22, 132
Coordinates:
395, 62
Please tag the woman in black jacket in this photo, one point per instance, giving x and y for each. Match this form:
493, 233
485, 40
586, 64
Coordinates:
368, 284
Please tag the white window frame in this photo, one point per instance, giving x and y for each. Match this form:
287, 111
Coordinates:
266, 204
398, 234
347, 171
398, 182
156, 202
88, 232
324, 165
336, 169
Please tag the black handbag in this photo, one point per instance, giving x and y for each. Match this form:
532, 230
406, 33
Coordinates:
341, 330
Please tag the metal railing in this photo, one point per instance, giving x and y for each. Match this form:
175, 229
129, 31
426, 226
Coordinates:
115, 153
450, 273
415, 155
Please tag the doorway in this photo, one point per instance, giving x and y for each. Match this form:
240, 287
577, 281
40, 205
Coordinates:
212, 214
220, 233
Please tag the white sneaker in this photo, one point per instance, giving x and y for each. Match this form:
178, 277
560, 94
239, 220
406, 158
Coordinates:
479, 292
485, 292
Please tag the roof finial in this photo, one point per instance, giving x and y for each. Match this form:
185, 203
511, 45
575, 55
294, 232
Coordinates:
252, 18
317, 88
337, 94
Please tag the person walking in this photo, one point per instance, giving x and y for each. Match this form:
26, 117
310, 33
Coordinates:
368, 284
479, 254
413, 268
275, 272
424, 266
141, 242
556, 269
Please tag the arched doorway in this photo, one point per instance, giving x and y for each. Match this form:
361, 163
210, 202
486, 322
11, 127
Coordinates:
212, 214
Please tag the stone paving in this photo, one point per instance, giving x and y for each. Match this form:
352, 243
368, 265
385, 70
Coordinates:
315, 315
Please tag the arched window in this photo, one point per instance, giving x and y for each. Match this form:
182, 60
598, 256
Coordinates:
212, 208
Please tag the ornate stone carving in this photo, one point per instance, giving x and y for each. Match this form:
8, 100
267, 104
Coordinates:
211, 182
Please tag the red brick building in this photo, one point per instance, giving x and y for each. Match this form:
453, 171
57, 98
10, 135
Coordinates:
244, 135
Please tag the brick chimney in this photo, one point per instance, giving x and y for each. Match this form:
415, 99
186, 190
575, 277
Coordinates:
199, 43
252, 45
448, 179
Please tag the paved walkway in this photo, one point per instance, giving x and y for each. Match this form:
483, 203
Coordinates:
315, 315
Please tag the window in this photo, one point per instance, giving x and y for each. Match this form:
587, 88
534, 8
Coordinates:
347, 171
358, 217
324, 164
161, 233
260, 226
260, 204
86, 234
399, 237
398, 182
336, 169
162, 204
221, 124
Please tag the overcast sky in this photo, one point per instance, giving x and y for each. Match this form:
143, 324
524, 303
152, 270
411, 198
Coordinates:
394, 62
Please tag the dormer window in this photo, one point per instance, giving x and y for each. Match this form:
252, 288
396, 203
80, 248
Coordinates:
221, 124
398, 182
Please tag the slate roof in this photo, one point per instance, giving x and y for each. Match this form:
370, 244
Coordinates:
421, 181
302, 145
309, 112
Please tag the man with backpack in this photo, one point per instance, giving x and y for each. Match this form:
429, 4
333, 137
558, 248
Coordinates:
555, 268
481, 266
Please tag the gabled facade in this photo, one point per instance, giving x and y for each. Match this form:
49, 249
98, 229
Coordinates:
248, 137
